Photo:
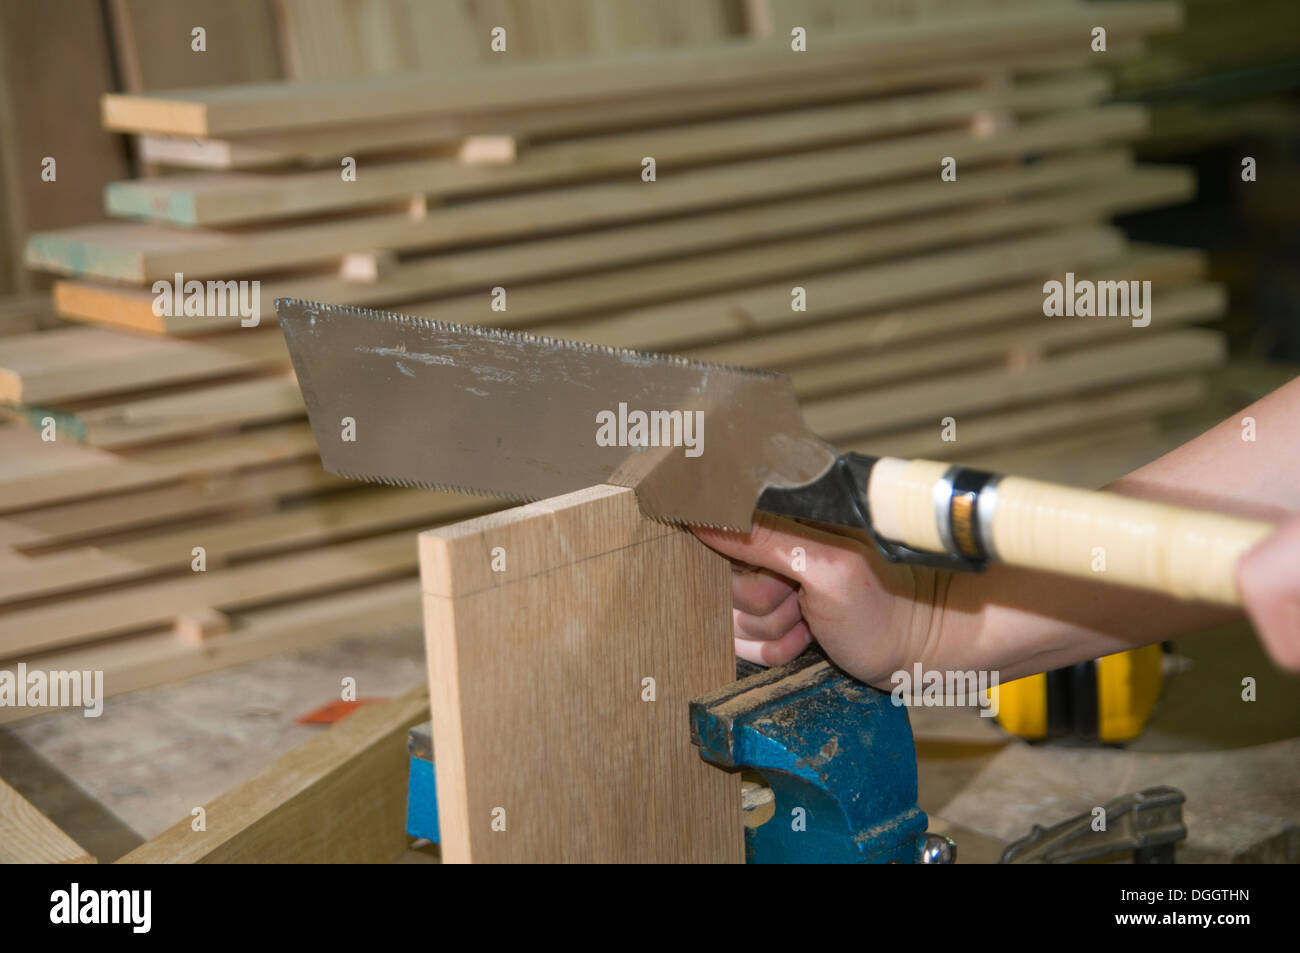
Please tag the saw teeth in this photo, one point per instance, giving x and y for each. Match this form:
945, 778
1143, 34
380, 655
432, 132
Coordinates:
505, 334
508, 497
675, 521
424, 485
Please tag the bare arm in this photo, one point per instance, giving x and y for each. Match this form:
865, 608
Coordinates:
1019, 621
875, 617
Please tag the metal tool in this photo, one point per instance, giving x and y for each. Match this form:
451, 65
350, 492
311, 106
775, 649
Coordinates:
513, 415
1149, 823
837, 755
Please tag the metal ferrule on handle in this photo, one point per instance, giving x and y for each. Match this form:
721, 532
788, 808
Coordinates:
972, 515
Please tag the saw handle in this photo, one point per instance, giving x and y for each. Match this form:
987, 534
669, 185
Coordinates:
939, 508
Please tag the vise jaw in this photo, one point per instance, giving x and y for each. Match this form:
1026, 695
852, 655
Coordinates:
837, 754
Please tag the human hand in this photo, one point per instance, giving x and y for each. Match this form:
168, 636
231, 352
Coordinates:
793, 583
1268, 578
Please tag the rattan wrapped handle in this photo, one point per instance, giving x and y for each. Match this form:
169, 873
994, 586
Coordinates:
1191, 554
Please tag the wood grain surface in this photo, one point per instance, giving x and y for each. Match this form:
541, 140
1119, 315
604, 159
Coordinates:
537, 685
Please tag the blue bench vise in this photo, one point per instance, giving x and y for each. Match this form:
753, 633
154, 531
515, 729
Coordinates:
836, 756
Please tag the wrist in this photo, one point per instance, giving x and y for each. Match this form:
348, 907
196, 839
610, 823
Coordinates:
957, 619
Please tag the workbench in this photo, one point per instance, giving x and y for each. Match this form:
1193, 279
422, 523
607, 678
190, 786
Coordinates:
1241, 774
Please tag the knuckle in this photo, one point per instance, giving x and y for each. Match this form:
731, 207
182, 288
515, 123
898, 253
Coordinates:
841, 568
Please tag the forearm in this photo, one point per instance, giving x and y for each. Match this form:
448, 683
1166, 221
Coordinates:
1018, 621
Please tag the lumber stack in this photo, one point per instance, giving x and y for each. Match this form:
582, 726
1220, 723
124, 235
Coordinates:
781, 179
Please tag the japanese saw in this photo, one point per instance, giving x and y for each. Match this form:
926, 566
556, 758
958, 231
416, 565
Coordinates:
414, 402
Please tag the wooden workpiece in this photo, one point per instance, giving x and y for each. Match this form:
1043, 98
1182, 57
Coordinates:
537, 676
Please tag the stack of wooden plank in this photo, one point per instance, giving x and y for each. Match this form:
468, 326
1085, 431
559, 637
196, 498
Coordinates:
797, 218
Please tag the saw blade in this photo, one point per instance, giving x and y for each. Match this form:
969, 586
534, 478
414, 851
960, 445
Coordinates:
414, 402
